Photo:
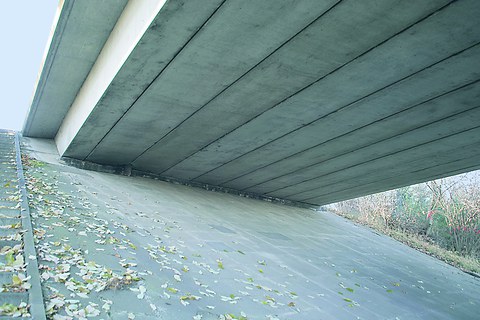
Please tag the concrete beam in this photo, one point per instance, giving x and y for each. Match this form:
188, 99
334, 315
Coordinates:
171, 29
298, 100
135, 19
317, 51
274, 134
409, 159
231, 42
464, 159
379, 127
78, 34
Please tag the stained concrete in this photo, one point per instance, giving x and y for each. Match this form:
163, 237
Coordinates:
79, 33
303, 101
280, 262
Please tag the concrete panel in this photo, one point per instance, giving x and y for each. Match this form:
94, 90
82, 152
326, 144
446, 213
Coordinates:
424, 122
315, 255
316, 51
462, 160
393, 164
418, 167
382, 106
298, 100
235, 39
382, 66
173, 27
135, 19
79, 33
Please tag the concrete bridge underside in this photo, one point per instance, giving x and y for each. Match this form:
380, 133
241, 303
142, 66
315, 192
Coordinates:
310, 101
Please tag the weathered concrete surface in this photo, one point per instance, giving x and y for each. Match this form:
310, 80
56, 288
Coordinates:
80, 30
17, 251
277, 262
300, 101
195, 45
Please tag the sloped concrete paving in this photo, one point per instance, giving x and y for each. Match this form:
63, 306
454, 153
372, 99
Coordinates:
121, 247
20, 291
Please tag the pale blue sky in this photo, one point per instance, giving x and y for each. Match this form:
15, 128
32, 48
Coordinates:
25, 28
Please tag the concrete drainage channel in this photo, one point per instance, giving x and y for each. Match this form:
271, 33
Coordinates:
20, 288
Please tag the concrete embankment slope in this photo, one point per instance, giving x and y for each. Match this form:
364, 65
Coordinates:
187, 253
20, 291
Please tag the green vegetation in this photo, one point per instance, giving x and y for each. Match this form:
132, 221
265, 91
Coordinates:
440, 218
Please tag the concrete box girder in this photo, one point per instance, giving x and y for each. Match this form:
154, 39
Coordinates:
166, 35
423, 123
464, 159
395, 163
363, 130
234, 40
370, 73
296, 100
80, 30
320, 49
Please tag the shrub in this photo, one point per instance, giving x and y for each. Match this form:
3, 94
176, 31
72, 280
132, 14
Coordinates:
413, 205
444, 211
457, 224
